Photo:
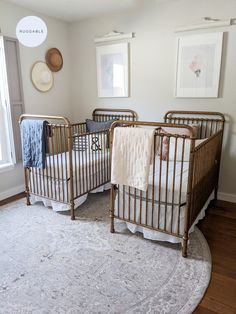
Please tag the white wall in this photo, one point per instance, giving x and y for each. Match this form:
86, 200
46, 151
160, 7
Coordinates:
153, 67
57, 101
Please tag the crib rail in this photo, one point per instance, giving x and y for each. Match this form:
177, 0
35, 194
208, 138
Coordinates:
209, 122
206, 172
79, 128
104, 114
45, 117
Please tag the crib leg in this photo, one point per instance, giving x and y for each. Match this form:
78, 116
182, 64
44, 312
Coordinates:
185, 247
112, 230
72, 211
26, 170
27, 199
112, 198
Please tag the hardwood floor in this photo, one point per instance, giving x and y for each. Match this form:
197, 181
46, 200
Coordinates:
12, 198
219, 228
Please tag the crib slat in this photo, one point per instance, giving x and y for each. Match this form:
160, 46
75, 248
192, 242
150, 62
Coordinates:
180, 186
153, 179
140, 204
58, 169
167, 181
159, 186
173, 184
62, 167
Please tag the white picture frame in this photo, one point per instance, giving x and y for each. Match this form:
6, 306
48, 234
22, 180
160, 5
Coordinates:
113, 70
198, 65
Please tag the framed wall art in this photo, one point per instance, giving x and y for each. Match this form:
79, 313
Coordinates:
113, 70
198, 65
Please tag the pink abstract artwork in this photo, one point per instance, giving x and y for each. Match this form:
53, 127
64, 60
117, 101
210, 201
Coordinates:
196, 65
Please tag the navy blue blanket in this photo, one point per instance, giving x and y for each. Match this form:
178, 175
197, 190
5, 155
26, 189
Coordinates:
34, 143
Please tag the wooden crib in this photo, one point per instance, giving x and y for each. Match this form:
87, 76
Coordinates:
77, 161
179, 184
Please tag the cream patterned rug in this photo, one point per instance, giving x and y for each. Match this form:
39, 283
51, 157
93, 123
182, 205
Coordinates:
50, 264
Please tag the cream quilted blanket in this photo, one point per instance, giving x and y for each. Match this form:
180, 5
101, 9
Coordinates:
131, 156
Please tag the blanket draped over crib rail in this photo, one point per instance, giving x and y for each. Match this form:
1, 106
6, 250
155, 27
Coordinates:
131, 156
34, 143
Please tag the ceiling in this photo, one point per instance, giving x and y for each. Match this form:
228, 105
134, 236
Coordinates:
75, 10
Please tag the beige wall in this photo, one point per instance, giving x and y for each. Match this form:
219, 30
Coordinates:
57, 100
153, 66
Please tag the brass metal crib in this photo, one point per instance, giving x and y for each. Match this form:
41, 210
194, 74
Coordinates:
77, 161
178, 187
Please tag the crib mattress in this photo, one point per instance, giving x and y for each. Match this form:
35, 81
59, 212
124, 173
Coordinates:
58, 166
89, 174
171, 177
167, 211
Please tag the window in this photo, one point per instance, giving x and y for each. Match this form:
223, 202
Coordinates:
7, 154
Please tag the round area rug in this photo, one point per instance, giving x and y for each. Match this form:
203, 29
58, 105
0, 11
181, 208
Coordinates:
50, 264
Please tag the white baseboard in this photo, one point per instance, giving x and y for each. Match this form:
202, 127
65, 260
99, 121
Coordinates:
12, 192
227, 197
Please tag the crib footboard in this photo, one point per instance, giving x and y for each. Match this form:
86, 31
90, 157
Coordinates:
162, 207
53, 180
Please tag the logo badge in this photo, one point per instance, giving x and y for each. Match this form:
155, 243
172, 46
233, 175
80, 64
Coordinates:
31, 31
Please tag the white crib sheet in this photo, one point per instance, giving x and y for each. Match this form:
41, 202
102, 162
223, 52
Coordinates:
58, 165
167, 194
93, 170
170, 188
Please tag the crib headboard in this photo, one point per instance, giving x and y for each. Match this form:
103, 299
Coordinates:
209, 122
104, 114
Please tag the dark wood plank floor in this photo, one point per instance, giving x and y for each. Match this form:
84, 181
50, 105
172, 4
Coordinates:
219, 228
12, 199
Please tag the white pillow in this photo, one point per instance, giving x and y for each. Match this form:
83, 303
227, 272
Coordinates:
95, 142
179, 148
182, 131
198, 142
98, 141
